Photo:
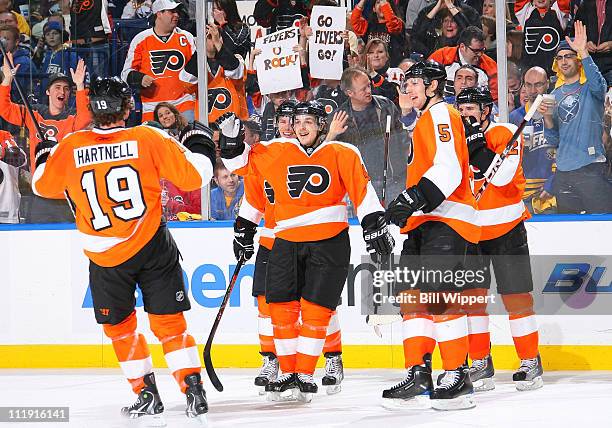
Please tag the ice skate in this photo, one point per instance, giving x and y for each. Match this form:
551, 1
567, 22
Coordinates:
197, 406
148, 407
334, 372
285, 388
307, 387
454, 391
481, 374
412, 392
529, 375
268, 372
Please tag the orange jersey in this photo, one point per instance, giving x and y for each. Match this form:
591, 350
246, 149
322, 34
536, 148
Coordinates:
163, 61
54, 127
309, 189
501, 206
112, 176
258, 201
440, 154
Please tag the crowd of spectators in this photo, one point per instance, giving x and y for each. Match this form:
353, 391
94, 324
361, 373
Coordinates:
564, 48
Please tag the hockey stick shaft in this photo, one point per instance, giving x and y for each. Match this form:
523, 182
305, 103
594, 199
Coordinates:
386, 162
210, 370
26, 103
500, 160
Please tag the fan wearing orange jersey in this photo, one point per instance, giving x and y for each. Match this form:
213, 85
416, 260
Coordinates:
437, 212
308, 264
503, 243
111, 175
155, 59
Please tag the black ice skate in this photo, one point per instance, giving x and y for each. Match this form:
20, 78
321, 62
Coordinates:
285, 388
148, 405
334, 372
197, 406
413, 392
481, 374
454, 391
529, 375
306, 386
268, 372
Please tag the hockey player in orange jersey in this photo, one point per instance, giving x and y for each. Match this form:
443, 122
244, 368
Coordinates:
308, 263
111, 174
259, 201
503, 243
437, 212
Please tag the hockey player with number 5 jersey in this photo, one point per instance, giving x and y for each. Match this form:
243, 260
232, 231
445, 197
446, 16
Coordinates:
111, 174
308, 264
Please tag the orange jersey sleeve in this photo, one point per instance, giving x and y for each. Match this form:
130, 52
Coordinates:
112, 177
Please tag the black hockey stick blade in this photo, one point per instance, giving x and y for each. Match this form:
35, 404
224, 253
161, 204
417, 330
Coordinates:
210, 370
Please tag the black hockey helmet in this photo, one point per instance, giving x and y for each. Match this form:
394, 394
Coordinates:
426, 70
313, 108
106, 95
287, 108
480, 96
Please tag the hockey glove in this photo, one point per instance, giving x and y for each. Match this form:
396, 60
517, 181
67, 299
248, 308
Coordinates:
376, 234
12, 154
231, 140
480, 156
42, 151
244, 232
198, 138
406, 203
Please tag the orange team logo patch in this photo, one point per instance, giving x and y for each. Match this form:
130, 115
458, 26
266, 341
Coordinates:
104, 311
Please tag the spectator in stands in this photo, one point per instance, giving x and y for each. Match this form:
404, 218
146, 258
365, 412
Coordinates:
90, 28
597, 17
135, 9
9, 19
225, 199
488, 8
11, 159
236, 34
488, 29
377, 64
53, 57
543, 23
156, 58
449, 22
538, 154
466, 76
175, 201
55, 121
37, 29
252, 132
22, 24
514, 81
574, 123
20, 57
514, 46
366, 117
384, 24
170, 118
470, 51
279, 14
414, 8
471, 15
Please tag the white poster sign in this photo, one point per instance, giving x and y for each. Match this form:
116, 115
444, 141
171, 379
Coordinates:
326, 46
278, 66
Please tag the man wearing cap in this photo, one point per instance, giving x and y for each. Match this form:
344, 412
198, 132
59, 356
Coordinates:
55, 121
573, 123
155, 59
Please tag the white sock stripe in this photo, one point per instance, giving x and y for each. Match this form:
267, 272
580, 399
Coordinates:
416, 327
334, 324
264, 326
183, 359
450, 330
133, 369
310, 346
285, 346
478, 324
523, 326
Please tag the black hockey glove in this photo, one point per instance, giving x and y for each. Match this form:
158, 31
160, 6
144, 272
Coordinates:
406, 203
480, 156
376, 234
12, 154
244, 232
42, 151
198, 138
231, 139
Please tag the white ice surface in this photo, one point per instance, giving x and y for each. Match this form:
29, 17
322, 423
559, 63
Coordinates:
568, 399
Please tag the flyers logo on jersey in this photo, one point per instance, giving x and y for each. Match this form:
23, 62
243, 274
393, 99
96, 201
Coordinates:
168, 59
312, 178
541, 38
269, 191
329, 104
49, 131
219, 99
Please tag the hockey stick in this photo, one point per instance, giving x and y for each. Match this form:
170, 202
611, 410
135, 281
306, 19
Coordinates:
20, 91
210, 370
498, 163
